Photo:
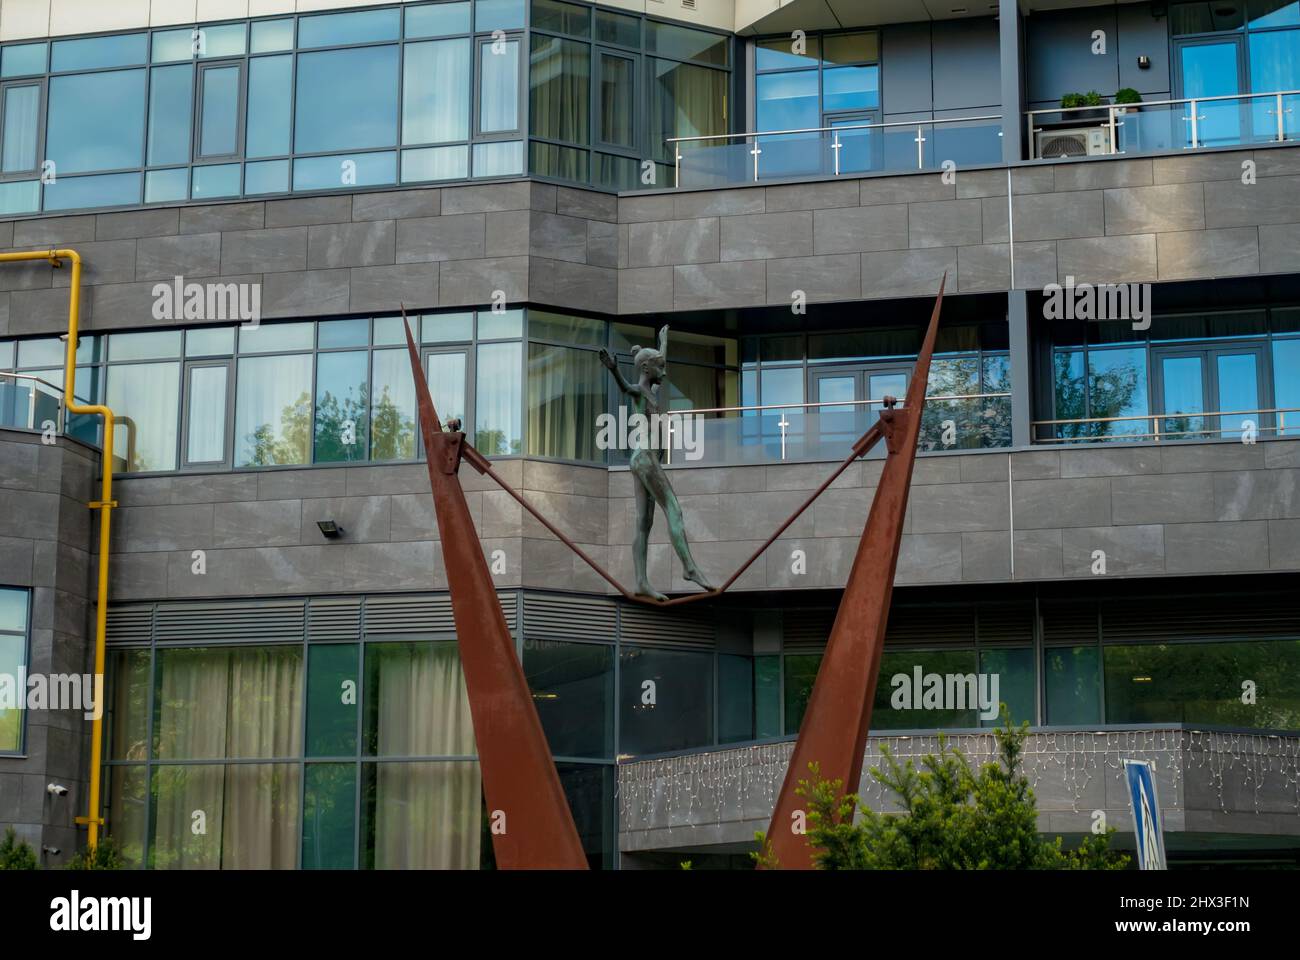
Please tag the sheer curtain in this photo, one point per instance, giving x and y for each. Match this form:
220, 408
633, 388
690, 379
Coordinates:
22, 114
560, 100
566, 393
685, 101
436, 97
499, 87
427, 814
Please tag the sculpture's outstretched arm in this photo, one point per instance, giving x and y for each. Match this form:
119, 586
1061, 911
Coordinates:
612, 365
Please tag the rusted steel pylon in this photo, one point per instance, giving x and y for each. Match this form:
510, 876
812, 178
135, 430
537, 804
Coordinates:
532, 827
834, 730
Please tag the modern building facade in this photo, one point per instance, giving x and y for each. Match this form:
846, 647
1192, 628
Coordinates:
1105, 515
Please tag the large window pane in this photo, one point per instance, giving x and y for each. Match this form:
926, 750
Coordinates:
800, 675
106, 190
1014, 668
735, 698
125, 813
128, 704
96, 52
416, 704
435, 91
566, 393
1286, 384
422, 816
617, 100
269, 81
347, 99
665, 700
787, 101
179, 792
501, 159
589, 788
96, 121
1117, 384
497, 430
446, 376
687, 44
22, 60
392, 407
170, 100
342, 404
896, 706
22, 118
205, 440
560, 17
146, 399
559, 94
437, 20
273, 411
13, 655
435, 163
685, 101
329, 817
1071, 681
336, 29
341, 170
498, 86
573, 689
333, 691
850, 88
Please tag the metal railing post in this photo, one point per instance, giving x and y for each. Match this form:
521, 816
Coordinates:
755, 152
1029, 129
1195, 130
1110, 119
920, 148
677, 165
835, 148
1281, 125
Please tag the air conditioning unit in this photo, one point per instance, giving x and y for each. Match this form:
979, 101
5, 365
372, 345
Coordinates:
1074, 142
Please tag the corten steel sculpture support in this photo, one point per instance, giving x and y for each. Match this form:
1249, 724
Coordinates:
834, 730
519, 776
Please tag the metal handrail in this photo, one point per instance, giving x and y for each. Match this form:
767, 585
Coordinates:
829, 403
1121, 109
1155, 418
56, 393
757, 151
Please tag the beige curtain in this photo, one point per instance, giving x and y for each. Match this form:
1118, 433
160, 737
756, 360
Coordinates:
222, 703
427, 814
566, 393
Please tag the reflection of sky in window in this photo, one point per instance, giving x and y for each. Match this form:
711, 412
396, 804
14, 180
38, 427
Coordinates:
347, 99
787, 101
96, 121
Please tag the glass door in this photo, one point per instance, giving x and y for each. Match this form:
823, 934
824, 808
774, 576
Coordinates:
208, 414
445, 371
868, 386
1212, 68
1238, 389
1192, 383
1181, 394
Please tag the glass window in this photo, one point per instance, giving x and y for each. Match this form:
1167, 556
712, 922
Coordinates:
106, 190
343, 333
850, 88
170, 100
337, 29
446, 327
415, 701
206, 429
550, 160
270, 338
852, 47
269, 176
896, 706
96, 121
492, 15
573, 689
800, 675
543, 325
162, 186
560, 17
343, 170
767, 697
273, 411
498, 87
333, 686
617, 100
219, 103
146, 398
392, 407
445, 374
1071, 681
683, 43
497, 430
499, 159
13, 657
210, 342
125, 812
128, 704
559, 95
787, 101
735, 698
1286, 383
566, 393
781, 385
422, 815
171, 45
778, 53
618, 28
1014, 668
212, 182
269, 81
22, 60
22, 105
435, 91
390, 331
435, 163
437, 20
21, 197
1117, 387
1204, 17
94, 53
271, 35
665, 700
493, 325
226, 40
1273, 13
347, 99
342, 400
685, 101
329, 817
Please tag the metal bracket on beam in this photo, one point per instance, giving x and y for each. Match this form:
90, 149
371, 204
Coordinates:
100, 504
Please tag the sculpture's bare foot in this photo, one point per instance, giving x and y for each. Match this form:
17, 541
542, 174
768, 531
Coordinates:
695, 576
645, 590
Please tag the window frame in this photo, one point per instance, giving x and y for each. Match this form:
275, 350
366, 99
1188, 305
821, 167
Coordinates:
42, 106
197, 156
20, 750
185, 464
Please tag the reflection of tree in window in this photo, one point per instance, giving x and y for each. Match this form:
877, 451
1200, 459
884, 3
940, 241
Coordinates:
392, 432
290, 444
333, 414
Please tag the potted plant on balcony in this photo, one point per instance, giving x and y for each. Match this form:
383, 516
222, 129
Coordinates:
1074, 100
1127, 100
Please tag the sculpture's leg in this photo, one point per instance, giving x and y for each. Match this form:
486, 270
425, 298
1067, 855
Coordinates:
645, 519
657, 481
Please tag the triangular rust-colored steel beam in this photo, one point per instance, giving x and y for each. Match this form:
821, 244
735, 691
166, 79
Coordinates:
529, 817
834, 730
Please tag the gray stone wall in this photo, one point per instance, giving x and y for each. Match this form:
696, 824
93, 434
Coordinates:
1207, 782
45, 541
1155, 510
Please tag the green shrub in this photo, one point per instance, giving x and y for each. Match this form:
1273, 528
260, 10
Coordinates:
15, 854
1127, 95
106, 857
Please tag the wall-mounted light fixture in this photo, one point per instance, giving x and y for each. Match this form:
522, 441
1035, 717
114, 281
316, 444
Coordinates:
1144, 62
330, 529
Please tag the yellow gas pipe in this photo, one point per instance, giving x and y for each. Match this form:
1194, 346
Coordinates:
104, 505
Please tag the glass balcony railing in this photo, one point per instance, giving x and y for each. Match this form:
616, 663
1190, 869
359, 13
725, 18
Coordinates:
29, 403
1159, 125
733, 436
841, 150
1237, 425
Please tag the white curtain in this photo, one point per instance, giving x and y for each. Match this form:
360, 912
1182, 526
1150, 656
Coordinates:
22, 115
435, 91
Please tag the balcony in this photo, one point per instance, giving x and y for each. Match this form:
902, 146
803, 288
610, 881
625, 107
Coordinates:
842, 150
30, 403
1157, 126
1241, 426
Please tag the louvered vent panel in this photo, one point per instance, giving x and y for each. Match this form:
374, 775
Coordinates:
1005, 623
806, 629
330, 619
1069, 622
1200, 618
581, 618
510, 607
932, 625
130, 624
254, 621
664, 628
420, 613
